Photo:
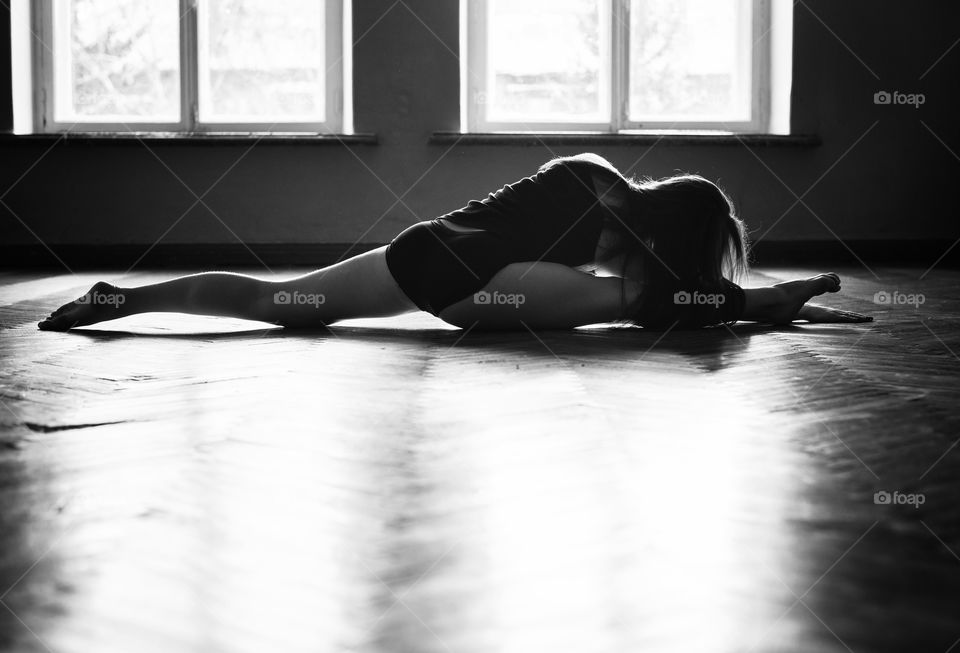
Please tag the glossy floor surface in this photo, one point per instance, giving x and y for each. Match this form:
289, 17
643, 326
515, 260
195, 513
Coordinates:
173, 483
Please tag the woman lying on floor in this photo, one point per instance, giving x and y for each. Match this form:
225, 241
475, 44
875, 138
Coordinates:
577, 243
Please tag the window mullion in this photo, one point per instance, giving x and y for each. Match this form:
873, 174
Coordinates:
476, 66
760, 64
188, 66
333, 79
620, 65
41, 22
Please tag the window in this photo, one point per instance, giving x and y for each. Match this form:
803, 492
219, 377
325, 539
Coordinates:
188, 65
616, 65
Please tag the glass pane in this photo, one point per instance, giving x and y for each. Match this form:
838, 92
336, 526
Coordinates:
117, 60
262, 61
548, 61
690, 60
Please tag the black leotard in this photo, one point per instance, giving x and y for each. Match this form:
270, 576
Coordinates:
554, 215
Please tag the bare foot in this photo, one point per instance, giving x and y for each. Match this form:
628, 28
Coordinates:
102, 302
806, 288
799, 292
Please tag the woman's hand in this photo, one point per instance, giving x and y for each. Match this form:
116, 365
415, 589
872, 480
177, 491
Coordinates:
825, 314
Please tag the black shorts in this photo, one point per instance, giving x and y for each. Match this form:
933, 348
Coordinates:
436, 266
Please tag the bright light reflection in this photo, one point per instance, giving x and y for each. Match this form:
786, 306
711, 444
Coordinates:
205, 532
599, 541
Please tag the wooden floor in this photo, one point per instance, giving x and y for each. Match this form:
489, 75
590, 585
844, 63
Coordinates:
171, 483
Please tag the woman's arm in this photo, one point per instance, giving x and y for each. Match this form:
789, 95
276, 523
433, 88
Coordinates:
825, 314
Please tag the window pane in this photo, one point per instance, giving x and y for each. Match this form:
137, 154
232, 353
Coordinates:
690, 60
262, 61
548, 60
116, 60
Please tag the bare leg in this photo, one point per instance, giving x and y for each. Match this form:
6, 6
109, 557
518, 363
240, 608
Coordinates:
361, 286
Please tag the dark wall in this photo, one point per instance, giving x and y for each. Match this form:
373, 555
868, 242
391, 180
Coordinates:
898, 181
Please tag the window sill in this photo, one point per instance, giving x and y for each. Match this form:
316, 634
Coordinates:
603, 138
194, 138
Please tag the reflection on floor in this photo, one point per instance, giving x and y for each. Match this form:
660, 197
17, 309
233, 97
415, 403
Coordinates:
170, 483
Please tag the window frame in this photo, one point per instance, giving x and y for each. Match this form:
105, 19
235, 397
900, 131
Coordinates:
44, 59
615, 22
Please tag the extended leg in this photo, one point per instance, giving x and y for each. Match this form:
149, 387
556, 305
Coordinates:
361, 286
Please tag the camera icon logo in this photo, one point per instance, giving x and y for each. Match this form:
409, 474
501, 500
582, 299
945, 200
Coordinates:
882, 498
281, 297
482, 297
881, 297
682, 297
882, 97
85, 299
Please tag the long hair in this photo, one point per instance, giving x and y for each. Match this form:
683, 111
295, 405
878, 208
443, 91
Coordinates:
685, 230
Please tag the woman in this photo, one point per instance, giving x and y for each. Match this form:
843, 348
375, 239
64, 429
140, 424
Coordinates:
577, 243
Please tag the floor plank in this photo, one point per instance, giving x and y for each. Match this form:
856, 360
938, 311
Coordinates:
194, 484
